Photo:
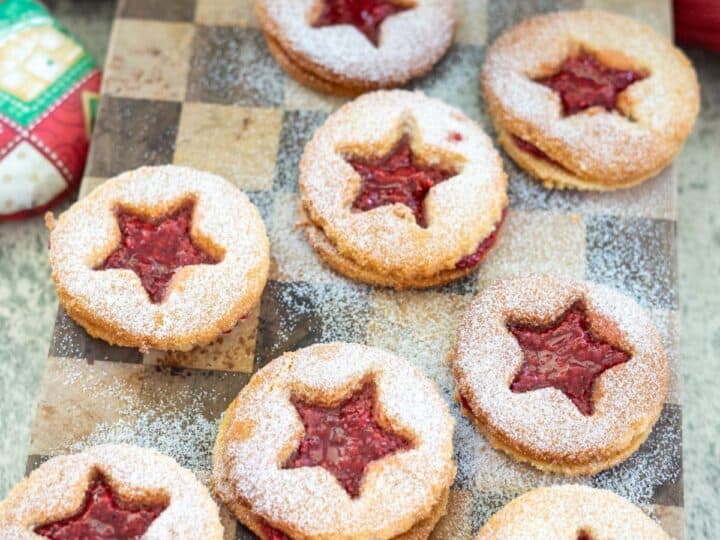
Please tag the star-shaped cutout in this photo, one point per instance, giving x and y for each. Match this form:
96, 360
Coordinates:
156, 248
103, 516
344, 439
565, 355
582, 81
398, 177
365, 15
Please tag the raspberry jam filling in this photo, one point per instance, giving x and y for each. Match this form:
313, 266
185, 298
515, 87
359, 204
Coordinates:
271, 533
464, 403
155, 249
472, 260
533, 150
397, 178
582, 81
344, 439
565, 355
103, 516
365, 15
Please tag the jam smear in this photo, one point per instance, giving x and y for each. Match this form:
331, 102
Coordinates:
464, 403
584, 535
582, 81
344, 439
271, 533
530, 148
476, 257
156, 249
397, 178
103, 516
535, 151
365, 15
565, 355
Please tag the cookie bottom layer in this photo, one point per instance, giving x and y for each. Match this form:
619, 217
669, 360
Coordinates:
420, 531
309, 78
351, 269
119, 337
316, 81
556, 177
558, 466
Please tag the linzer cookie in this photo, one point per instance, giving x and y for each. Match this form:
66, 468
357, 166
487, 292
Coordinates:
348, 47
110, 491
588, 99
336, 441
568, 376
160, 257
402, 190
572, 512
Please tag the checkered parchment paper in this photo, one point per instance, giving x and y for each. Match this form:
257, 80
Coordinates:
191, 82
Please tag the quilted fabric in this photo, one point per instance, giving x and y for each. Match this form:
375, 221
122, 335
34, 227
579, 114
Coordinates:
48, 93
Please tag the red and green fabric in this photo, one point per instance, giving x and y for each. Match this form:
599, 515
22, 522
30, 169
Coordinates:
49, 86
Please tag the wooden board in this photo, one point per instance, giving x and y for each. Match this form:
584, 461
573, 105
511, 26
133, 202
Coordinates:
192, 83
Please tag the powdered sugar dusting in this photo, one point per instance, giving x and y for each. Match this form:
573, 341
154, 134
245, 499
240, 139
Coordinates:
232, 65
563, 511
461, 212
667, 325
174, 411
655, 198
201, 297
58, 487
605, 147
634, 255
421, 326
186, 435
494, 477
303, 313
394, 491
293, 256
657, 464
415, 37
545, 422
